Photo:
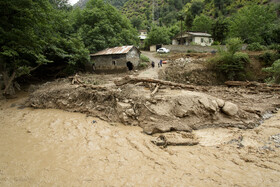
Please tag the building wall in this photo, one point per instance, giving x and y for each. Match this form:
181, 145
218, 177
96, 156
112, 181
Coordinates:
203, 41
195, 48
133, 56
109, 63
115, 63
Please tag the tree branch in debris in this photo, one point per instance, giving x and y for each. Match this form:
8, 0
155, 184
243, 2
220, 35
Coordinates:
129, 79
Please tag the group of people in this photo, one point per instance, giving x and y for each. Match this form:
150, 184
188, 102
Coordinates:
159, 64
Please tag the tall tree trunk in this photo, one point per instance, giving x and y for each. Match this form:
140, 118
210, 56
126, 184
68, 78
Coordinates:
8, 81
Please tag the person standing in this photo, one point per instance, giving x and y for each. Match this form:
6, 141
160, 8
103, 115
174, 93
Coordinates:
153, 64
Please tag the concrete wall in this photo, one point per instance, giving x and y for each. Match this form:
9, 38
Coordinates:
196, 48
153, 48
134, 57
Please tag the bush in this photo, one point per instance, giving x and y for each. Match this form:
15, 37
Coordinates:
142, 65
143, 58
274, 70
268, 58
231, 63
256, 47
216, 43
275, 47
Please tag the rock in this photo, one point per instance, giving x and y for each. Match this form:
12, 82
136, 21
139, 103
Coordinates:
230, 109
130, 112
220, 102
208, 105
122, 106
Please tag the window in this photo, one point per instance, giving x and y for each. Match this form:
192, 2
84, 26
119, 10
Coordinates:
202, 40
114, 62
210, 40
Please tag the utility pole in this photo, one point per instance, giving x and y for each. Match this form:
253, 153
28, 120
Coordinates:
153, 11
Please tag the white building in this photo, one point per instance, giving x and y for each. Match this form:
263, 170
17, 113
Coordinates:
193, 38
142, 35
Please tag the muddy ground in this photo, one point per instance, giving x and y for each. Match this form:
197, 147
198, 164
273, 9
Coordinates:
198, 135
50, 147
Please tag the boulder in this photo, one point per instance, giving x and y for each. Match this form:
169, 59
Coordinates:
220, 102
230, 109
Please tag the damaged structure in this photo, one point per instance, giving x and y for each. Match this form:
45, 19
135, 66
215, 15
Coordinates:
115, 60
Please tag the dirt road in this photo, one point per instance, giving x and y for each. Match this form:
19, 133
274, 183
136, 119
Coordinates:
58, 148
151, 72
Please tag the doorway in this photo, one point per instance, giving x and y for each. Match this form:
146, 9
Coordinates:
129, 65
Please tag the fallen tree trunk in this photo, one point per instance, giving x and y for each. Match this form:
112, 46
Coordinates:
129, 79
263, 87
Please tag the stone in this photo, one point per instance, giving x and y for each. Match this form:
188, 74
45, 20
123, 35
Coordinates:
230, 109
220, 102
130, 112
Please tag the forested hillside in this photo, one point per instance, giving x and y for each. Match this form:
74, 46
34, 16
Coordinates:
116, 3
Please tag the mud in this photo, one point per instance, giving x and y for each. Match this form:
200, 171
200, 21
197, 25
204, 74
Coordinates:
50, 147
169, 110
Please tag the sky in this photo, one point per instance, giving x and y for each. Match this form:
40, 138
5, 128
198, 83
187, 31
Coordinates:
72, 2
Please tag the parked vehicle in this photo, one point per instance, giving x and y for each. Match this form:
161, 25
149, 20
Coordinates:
163, 50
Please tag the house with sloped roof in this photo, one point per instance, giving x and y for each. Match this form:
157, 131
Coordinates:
115, 60
193, 38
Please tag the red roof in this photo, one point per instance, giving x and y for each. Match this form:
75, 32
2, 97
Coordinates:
114, 51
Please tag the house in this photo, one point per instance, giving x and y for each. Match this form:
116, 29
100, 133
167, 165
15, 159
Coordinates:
197, 38
142, 35
114, 60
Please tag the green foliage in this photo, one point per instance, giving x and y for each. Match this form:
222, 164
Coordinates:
101, 26
142, 65
231, 63
274, 70
252, 23
143, 58
234, 45
268, 58
202, 23
256, 47
158, 35
220, 29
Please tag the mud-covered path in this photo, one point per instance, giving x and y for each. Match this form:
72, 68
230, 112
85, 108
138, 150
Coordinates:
151, 72
58, 148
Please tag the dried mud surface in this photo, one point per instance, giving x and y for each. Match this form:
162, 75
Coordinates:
50, 147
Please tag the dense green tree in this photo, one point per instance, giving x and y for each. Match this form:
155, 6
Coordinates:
202, 23
101, 26
252, 23
136, 22
32, 34
158, 35
220, 30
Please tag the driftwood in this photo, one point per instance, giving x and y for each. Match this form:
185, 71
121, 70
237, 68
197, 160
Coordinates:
155, 90
262, 87
129, 79
76, 80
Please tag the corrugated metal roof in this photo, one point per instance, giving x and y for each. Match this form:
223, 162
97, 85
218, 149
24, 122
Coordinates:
114, 51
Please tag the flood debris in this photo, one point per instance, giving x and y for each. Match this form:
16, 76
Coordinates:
155, 105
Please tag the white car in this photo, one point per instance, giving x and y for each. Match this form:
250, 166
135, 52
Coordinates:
163, 50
